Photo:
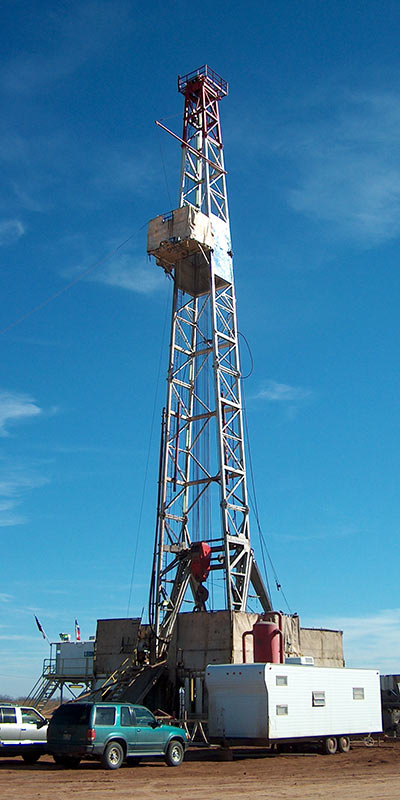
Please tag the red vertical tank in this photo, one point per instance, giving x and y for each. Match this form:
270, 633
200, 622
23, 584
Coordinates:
267, 642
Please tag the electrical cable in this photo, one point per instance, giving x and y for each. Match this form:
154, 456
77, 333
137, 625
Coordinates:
146, 469
164, 171
69, 285
253, 500
251, 357
171, 116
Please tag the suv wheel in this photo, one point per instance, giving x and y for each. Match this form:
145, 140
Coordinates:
175, 753
113, 756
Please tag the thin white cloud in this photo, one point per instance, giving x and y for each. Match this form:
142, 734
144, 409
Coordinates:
16, 478
16, 407
27, 196
73, 449
11, 519
276, 392
348, 165
322, 532
10, 231
15, 482
124, 170
125, 274
74, 35
368, 640
14, 637
5, 598
284, 396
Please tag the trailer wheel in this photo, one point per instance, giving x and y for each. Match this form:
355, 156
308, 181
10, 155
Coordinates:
343, 744
330, 745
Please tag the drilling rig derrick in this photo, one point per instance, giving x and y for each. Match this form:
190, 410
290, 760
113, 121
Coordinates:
202, 528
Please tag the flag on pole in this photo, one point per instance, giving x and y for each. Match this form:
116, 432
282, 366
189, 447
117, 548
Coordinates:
77, 632
40, 627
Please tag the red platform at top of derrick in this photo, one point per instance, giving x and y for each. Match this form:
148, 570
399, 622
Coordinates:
206, 74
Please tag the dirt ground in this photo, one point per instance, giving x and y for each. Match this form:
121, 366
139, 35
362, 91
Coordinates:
366, 773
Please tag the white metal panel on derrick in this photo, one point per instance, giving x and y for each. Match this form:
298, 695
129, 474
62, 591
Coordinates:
173, 235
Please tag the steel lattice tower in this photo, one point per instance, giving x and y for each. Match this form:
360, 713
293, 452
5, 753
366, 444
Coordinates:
203, 514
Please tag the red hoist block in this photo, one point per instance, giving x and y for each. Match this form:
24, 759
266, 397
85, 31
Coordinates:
201, 557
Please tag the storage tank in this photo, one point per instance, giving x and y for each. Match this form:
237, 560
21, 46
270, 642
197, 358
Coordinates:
267, 642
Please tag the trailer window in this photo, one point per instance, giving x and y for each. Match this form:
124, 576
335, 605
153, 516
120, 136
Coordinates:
281, 680
358, 693
282, 711
318, 698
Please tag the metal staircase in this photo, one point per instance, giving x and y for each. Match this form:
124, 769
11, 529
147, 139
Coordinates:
129, 682
42, 692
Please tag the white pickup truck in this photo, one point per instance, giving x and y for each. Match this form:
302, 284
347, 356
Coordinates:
23, 732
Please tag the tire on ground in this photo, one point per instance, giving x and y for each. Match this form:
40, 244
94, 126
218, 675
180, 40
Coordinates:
330, 745
175, 753
113, 755
31, 756
343, 744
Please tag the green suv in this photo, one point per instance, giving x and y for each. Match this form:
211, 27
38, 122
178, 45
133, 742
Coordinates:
111, 733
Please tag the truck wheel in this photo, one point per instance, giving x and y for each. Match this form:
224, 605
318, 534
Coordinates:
175, 753
113, 756
330, 745
343, 744
31, 757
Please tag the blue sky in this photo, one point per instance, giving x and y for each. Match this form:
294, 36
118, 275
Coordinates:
311, 132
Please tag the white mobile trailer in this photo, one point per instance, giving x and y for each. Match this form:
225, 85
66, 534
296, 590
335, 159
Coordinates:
270, 703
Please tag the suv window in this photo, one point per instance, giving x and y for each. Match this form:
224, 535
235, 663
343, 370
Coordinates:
30, 715
144, 716
126, 716
105, 715
8, 715
74, 713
